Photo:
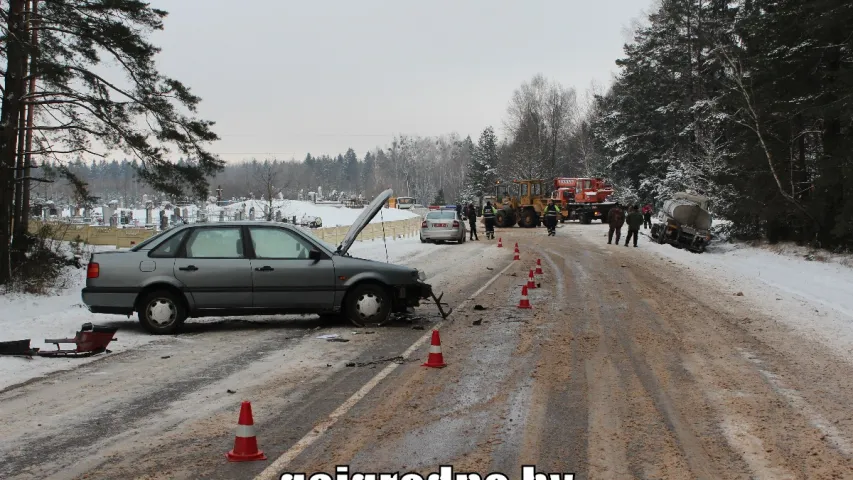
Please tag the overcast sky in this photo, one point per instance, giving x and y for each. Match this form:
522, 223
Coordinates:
282, 78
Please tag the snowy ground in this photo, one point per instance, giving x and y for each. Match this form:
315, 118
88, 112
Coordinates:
61, 315
812, 296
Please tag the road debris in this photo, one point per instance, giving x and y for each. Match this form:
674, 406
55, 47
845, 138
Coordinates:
398, 359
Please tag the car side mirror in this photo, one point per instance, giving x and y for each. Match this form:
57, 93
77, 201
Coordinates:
315, 254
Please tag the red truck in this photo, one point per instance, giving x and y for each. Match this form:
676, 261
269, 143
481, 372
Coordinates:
583, 199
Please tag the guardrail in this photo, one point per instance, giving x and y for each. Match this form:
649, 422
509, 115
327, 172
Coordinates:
128, 237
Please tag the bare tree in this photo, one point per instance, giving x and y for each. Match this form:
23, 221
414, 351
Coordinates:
750, 116
541, 114
271, 181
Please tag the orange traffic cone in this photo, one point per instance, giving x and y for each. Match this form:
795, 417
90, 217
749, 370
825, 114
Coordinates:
531, 283
500, 242
516, 247
516, 257
435, 359
524, 303
539, 266
245, 443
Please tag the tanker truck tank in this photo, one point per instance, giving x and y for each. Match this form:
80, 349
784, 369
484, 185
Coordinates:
685, 222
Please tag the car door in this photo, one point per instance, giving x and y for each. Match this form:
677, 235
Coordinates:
214, 268
283, 276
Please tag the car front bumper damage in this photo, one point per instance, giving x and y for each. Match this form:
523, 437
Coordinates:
410, 296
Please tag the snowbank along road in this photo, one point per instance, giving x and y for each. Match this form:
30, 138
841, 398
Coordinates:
627, 366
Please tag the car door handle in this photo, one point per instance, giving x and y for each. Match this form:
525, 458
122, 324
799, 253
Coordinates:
189, 268
265, 268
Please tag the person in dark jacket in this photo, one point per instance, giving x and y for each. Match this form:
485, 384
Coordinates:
459, 209
472, 221
551, 213
615, 218
489, 219
635, 222
647, 216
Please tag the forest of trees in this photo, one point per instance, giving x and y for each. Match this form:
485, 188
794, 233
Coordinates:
548, 133
748, 102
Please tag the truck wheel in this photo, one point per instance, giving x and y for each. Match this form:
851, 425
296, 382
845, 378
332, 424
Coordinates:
368, 305
161, 312
502, 219
528, 219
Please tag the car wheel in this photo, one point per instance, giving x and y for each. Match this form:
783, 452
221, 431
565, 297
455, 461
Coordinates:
368, 305
161, 312
422, 239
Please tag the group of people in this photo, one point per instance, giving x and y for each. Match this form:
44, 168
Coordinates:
616, 218
635, 219
551, 213
488, 214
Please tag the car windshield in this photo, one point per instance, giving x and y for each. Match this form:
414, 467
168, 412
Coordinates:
445, 214
309, 233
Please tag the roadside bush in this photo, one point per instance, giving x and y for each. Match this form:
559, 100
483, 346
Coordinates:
41, 265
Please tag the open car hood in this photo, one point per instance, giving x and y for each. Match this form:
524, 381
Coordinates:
366, 216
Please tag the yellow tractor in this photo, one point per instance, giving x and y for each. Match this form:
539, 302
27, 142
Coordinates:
519, 201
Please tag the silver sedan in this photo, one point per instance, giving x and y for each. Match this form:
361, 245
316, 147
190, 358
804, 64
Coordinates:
443, 225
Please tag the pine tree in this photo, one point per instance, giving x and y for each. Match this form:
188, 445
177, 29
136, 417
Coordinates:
482, 167
78, 103
439, 198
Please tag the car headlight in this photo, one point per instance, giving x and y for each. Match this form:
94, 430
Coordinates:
419, 275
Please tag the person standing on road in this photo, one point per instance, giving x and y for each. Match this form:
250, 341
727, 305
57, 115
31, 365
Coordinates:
459, 210
489, 219
551, 213
472, 221
615, 218
635, 222
647, 216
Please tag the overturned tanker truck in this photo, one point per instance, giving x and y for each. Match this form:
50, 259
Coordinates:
684, 222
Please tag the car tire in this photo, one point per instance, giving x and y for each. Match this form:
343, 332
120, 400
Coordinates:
368, 305
161, 312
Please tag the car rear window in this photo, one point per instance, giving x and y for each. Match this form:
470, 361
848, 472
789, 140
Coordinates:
448, 214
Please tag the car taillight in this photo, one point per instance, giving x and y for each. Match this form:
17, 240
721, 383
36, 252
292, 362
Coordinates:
423, 224
455, 224
93, 270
